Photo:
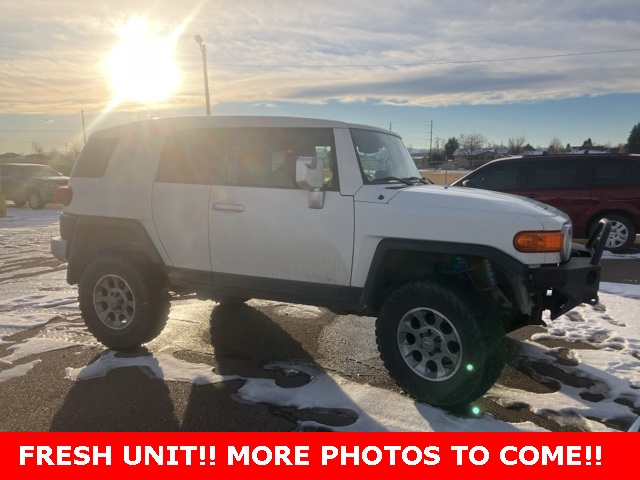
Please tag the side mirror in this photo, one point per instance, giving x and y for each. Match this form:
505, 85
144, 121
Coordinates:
468, 183
309, 173
310, 176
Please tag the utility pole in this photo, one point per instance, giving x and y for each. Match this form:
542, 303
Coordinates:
84, 133
431, 138
203, 52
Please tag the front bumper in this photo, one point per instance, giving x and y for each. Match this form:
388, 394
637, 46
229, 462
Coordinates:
577, 281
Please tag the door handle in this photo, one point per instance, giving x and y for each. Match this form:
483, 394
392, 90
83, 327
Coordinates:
228, 207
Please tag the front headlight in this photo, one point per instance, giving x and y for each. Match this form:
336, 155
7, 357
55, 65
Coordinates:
539, 241
567, 229
546, 241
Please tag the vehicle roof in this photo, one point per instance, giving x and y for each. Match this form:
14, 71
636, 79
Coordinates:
166, 124
18, 164
539, 158
562, 155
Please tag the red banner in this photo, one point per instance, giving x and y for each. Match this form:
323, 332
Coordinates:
316, 455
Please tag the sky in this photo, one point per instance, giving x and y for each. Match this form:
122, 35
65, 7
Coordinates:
430, 70
31, 297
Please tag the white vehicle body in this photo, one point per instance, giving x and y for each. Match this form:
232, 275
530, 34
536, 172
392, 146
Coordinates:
309, 211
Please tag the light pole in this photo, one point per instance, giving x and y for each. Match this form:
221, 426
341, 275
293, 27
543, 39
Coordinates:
203, 51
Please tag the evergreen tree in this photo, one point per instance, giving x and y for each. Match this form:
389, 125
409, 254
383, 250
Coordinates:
451, 146
633, 142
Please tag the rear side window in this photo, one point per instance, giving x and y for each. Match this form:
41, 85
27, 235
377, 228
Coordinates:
11, 171
195, 156
616, 171
94, 158
570, 172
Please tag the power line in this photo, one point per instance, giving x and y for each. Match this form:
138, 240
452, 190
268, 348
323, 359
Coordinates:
417, 64
36, 130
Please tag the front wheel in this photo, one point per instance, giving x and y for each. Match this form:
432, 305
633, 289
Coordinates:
440, 347
119, 304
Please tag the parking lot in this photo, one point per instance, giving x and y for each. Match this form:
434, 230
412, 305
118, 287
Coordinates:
270, 366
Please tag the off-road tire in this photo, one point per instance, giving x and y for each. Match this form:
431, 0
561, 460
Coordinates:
120, 303
439, 346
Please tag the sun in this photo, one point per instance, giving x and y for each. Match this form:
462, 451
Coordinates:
141, 67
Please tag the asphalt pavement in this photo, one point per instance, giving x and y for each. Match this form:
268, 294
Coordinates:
234, 342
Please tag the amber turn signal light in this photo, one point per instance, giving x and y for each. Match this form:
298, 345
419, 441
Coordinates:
536, 242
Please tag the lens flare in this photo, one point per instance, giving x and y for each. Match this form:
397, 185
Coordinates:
141, 67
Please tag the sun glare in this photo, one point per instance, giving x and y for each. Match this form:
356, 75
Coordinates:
141, 67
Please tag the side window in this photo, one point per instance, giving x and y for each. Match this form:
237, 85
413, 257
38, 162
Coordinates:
94, 157
570, 172
13, 172
616, 171
266, 157
498, 177
195, 156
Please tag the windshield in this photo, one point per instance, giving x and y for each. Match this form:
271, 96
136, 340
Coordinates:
383, 157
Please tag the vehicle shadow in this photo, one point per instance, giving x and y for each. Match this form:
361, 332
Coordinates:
125, 399
175, 390
247, 343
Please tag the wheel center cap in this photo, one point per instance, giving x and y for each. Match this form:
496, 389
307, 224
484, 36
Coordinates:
431, 344
116, 303
427, 344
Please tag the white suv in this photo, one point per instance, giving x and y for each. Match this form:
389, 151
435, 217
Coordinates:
317, 212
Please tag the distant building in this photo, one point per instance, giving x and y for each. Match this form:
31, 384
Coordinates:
420, 158
478, 157
536, 152
582, 149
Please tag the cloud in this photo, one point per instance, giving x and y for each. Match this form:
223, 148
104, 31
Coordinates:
52, 53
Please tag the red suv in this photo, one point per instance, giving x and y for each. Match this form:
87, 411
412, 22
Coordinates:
586, 187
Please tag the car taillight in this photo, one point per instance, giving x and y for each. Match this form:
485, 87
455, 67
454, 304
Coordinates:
63, 195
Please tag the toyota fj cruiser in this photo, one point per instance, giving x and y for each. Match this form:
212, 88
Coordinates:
323, 213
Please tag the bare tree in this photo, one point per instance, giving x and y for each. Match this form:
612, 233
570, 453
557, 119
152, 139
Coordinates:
73, 149
471, 147
556, 146
470, 144
37, 148
516, 144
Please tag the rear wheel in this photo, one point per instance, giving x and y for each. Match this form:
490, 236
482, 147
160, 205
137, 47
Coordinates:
35, 200
119, 303
19, 204
623, 233
440, 347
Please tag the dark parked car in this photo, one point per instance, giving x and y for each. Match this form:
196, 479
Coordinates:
29, 182
586, 187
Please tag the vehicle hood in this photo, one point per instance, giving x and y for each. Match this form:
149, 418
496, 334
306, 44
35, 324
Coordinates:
57, 180
454, 214
471, 200
436, 197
